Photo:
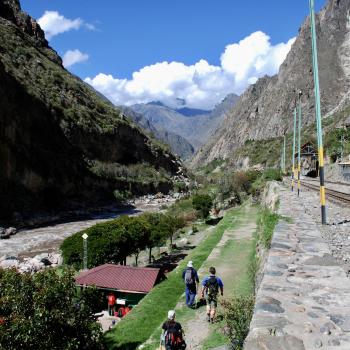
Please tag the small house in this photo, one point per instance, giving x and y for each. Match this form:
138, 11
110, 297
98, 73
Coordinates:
129, 284
308, 160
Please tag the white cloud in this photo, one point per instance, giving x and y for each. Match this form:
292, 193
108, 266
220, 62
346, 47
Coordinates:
74, 56
201, 85
53, 24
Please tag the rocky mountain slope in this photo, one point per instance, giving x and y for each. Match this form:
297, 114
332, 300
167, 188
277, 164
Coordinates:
194, 125
178, 144
61, 145
265, 110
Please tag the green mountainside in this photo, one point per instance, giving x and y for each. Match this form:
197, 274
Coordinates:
62, 145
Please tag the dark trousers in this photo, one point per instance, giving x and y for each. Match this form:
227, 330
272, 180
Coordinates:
190, 295
111, 310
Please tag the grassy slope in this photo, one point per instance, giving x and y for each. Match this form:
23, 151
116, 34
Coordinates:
138, 326
237, 254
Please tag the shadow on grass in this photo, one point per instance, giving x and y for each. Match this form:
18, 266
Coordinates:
110, 344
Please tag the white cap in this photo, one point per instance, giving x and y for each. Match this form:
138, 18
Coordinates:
190, 263
171, 314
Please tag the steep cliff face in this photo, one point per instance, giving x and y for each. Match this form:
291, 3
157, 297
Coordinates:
54, 129
265, 110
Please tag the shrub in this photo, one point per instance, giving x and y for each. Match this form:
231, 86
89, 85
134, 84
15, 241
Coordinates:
271, 174
202, 203
180, 186
243, 180
238, 313
44, 311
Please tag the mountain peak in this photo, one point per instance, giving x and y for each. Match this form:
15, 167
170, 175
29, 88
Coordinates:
156, 103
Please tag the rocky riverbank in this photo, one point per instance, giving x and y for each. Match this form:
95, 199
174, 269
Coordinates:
30, 243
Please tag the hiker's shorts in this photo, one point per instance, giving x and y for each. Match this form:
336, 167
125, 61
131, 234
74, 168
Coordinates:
212, 301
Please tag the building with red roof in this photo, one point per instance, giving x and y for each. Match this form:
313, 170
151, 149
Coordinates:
129, 284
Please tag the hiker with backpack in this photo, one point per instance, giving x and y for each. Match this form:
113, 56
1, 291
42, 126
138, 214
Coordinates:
191, 279
172, 336
210, 290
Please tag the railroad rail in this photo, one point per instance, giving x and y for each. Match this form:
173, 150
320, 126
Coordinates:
330, 182
333, 194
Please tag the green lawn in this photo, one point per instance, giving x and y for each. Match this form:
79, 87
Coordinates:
140, 324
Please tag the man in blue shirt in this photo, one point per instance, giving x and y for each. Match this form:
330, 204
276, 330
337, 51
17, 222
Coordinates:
191, 279
210, 290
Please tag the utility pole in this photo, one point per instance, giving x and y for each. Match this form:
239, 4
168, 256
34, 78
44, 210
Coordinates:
85, 237
281, 165
284, 154
342, 146
318, 111
299, 140
293, 155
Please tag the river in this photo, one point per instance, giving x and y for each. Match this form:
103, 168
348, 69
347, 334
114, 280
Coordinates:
30, 242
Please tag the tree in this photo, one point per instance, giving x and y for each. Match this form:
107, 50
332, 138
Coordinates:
202, 203
157, 235
139, 232
169, 224
45, 311
113, 241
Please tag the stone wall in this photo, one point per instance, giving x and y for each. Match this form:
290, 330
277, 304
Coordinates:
303, 301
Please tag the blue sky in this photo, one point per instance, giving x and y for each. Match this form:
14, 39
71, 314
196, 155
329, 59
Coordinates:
121, 37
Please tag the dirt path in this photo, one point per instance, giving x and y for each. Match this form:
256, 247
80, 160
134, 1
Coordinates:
230, 257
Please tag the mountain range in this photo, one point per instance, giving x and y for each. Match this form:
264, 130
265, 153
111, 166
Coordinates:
265, 109
194, 125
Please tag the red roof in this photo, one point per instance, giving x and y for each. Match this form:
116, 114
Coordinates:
119, 277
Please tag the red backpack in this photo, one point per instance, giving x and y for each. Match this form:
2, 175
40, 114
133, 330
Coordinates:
173, 338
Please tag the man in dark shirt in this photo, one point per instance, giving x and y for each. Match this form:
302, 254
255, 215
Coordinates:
191, 279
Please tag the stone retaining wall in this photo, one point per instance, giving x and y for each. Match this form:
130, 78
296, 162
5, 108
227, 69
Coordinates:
303, 301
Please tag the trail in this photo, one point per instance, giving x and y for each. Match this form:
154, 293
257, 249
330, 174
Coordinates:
230, 257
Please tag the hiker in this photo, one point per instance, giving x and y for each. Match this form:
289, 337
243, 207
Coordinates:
111, 303
172, 335
210, 290
191, 279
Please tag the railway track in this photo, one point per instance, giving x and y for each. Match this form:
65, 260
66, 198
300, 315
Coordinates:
333, 194
330, 182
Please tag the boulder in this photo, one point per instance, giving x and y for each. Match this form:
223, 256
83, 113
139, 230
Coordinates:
41, 256
55, 259
10, 262
11, 231
35, 265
